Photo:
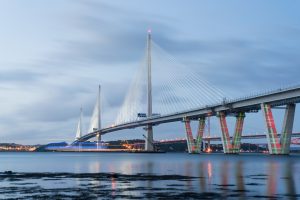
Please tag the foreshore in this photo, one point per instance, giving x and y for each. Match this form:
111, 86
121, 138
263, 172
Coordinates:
94, 185
18, 185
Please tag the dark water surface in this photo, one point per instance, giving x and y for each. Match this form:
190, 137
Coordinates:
152, 176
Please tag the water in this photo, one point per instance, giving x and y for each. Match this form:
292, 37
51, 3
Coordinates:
232, 176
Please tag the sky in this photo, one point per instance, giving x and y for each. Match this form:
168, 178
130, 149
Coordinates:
54, 53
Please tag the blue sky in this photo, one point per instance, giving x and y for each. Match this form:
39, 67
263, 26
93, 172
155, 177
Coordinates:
54, 53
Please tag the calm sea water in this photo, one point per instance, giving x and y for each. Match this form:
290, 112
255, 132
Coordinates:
250, 174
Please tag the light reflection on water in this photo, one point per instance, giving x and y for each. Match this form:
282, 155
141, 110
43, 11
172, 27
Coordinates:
256, 174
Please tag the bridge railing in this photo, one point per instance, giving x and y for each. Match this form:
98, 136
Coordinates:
270, 92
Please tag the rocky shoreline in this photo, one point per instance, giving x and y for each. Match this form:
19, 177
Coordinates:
15, 185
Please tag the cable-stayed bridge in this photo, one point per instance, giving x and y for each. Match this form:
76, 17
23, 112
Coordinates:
175, 93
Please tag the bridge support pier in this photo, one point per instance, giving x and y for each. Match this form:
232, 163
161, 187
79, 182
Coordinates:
149, 139
234, 146
194, 146
98, 138
287, 128
279, 145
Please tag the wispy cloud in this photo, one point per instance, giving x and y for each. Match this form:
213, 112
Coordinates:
106, 43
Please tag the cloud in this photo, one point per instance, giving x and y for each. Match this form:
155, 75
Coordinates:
19, 75
106, 46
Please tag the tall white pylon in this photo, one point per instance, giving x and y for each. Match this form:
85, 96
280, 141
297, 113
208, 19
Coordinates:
79, 126
99, 115
149, 139
95, 123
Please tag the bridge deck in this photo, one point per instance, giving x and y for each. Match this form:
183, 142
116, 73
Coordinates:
247, 104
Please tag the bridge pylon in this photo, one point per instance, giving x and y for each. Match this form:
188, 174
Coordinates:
149, 128
278, 145
194, 146
99, 115
234, 146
